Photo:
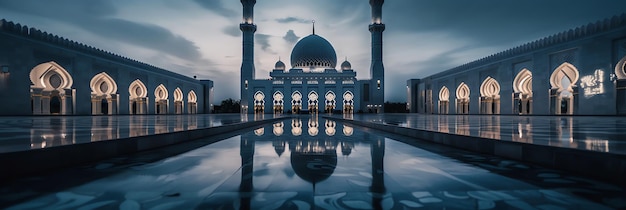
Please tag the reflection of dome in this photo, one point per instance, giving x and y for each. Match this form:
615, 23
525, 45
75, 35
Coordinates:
279, 65
346, 65
314, 168
313, 51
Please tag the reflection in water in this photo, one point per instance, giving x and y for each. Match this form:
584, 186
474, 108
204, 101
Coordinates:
313, 126
524, 131
347, 130
490, 127
278, 128
330, 127
259, 131
51, 132
103, 129
160, 124
296, 126
442, 124
462, 125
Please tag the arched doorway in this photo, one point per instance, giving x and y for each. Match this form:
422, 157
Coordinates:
620, 86
103, 94
462, 99
138, 97
160, 99
313, 102
444, 100
51, 91
330, 102
348, 102
178, 101
490, 96
296, 102
278, 102
523, 92
192, 104
564, 90
259, 102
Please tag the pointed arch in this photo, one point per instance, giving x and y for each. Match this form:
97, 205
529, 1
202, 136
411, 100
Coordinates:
330, 101
463, 91
462, 98
523, 82
565, 70
102, 84
348, 102
313, 101
103, 94
490, 96
444, 100
192, 105
161, 99
296, 101
138, 97
178, 101
192, 97
52, 80
620, 68
178, 95
259, 102
278, 101
562, 98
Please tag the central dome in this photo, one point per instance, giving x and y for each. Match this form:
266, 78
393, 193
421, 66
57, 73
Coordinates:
313, 51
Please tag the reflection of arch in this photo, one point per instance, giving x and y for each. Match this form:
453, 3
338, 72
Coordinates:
562, 94
523, 87
296, 127
313, 101
160, 98
103, 94
313, 127
490, 96
330, 101
50, 89
138, 101
178, 101
259, 102
192, 105
348, 102
296, 101
347, 130
444, 100
329, 126
278, 102
462, 99
260, 131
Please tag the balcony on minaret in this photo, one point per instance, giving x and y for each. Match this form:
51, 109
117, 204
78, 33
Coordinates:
247, 27
377, 27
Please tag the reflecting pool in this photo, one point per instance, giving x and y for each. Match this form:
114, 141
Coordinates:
310, 163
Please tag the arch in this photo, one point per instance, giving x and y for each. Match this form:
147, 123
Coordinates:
490, 96
348, 102
523, 92
278, 102
259, 102
296, 102
52, 80
103, 94
178, 95
138, 100
330, 101
161, 99
192, 104
562, 98
313, 101
620, 68
444, 100
462, 98
178, 101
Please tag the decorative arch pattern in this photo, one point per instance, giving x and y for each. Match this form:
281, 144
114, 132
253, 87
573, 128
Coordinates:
462, 99
51, 79
523, 88
192, 105
50, 76
313, 101
161, 99
565, 70
444, 100
178, 101
138, 101
259, 102
278, 102
490, 96
103, 94
348, 102
296, 101
620, 69
562, 98
330, 101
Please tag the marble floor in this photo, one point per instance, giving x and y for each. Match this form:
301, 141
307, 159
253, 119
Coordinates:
595, 133
26, 133
309, 163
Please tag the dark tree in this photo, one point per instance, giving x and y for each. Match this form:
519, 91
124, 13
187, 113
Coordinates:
395, 107
229, 106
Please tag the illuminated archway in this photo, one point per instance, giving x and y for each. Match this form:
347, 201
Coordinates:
444, 100
490, 96
278, 102
160, 99
138, 100
313, 102
259, 102
330, 102
462, 99
523, 92
348, 102
103, 94
51, 89
562, 94
620, 87
178, 101
192, 104
296, 102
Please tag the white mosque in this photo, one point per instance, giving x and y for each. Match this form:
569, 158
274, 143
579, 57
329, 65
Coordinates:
312, 84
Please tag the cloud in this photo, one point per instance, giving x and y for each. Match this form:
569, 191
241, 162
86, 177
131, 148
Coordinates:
216, 6
263, 41
292, 19
291, 37
232, 31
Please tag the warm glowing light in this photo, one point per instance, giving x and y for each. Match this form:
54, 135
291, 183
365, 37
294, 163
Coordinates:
592, 84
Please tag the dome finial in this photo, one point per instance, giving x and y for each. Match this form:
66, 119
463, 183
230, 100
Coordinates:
313, 21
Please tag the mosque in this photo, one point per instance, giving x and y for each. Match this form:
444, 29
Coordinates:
313, 84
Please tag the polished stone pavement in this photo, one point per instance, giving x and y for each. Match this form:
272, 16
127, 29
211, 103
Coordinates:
310, 163
26, 133
593, 133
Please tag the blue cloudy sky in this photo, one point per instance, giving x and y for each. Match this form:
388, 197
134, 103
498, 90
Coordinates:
202, 38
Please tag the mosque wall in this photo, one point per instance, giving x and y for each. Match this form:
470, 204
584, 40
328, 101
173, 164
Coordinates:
27, 54
577, 72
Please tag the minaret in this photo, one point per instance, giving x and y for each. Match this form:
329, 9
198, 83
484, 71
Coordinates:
377, 70
247, 63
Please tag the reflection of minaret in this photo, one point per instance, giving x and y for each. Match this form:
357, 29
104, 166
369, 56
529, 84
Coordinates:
377, 70
247, 64
378, 173
246, 150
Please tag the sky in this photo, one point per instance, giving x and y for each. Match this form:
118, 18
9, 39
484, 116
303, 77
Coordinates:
202, 37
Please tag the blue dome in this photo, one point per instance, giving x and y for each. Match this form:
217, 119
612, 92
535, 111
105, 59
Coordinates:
313, 51
279, 65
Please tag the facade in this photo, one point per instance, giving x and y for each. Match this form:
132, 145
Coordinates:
581, 71
43, 74
313, 84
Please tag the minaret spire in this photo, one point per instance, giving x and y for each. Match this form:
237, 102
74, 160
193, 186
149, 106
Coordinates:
313, 21
247, 63
377, 70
